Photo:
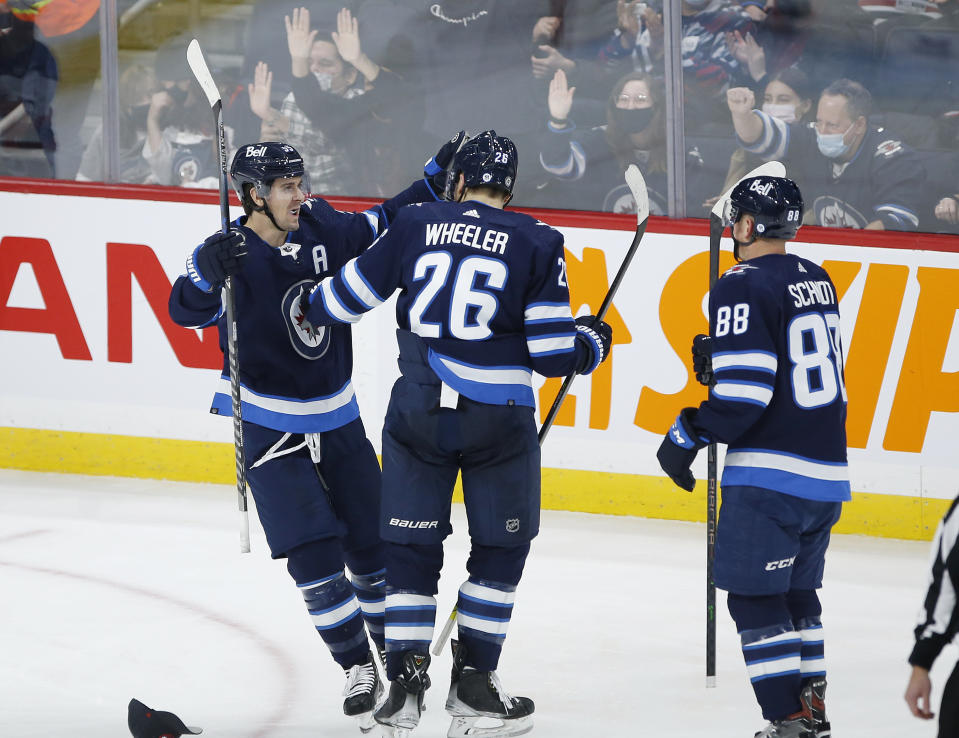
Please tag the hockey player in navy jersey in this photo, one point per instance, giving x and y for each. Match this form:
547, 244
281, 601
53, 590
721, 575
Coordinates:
778, 400
313, 473
483, 303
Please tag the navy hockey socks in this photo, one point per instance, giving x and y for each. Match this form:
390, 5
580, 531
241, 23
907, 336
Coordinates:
483, 612
370, 591
337, 617
410, 619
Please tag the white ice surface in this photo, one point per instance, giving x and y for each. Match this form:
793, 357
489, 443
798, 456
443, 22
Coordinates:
118, 588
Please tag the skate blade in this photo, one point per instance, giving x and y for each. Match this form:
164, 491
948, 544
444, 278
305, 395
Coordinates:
470, 726
404, 719
365, 722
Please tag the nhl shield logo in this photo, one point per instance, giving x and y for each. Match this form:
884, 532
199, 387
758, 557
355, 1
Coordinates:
512, 525
310, 342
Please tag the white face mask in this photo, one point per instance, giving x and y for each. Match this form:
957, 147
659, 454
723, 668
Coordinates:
785, 112
833, 144
325, 80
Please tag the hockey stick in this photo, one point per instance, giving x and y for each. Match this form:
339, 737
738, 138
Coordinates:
717, 224
201, 71
637, 186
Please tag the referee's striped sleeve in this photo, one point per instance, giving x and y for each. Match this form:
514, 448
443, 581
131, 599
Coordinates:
938, 620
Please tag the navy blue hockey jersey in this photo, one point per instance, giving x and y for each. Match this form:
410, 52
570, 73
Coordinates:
779, 401
282, 385
483, 287
883, 181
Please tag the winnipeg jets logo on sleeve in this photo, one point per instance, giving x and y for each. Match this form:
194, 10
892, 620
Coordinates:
309, 341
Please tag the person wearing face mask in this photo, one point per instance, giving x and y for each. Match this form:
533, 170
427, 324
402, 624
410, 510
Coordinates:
350, 99
136, 88
787, 96
180, 145
856, 175
634, 133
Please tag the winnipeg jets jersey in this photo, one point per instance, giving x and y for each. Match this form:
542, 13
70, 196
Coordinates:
883, 181
292, 378
779, 400
484, 288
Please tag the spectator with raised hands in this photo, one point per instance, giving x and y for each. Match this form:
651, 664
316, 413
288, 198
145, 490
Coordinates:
347, 96
325, 161
634, 133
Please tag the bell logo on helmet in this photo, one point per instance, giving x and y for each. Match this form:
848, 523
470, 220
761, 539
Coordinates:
762, 189
255, 150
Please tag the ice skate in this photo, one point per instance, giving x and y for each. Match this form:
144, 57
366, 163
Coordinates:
813, 699
795, 726
401, 710
479, 705
362, 691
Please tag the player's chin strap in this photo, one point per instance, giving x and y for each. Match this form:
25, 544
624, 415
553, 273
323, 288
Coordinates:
737, 244
310, 440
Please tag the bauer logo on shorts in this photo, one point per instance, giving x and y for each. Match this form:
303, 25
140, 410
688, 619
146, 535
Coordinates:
399, 523
512, 525
309, 341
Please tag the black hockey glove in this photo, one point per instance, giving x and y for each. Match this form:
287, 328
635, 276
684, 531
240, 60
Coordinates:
435, 169
679, 448
216, 259
593, 341
703, 360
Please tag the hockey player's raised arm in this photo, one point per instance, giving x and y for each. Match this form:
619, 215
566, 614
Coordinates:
361, 285
195, 297
744, 356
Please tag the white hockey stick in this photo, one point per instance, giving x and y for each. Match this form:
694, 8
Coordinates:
717, 224
637, 186
201, 71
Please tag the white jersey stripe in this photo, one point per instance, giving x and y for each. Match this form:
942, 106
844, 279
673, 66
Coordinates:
488, 376
740, 391
541, 312
316, 406
362, 291
837, 472
333, 305
745, 360
540, 346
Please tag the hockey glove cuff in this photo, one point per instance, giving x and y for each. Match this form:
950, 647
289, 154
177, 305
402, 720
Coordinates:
703, 360
594, 338
217, 258
679, 448
435, 169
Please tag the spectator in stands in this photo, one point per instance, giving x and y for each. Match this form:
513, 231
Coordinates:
137, 86
786, 96
590, 162
947, 209
181, 145
28, 81
347, 96
326, 163
709, 67
853, 174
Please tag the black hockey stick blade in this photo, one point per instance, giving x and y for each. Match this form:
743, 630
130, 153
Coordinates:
637, 186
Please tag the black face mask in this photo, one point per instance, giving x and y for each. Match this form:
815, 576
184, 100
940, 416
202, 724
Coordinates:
137, 115
178, 95
633, 121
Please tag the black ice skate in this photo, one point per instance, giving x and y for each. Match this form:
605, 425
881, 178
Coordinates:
813, 699
795, 726
479, 705
401, 710
362, 691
